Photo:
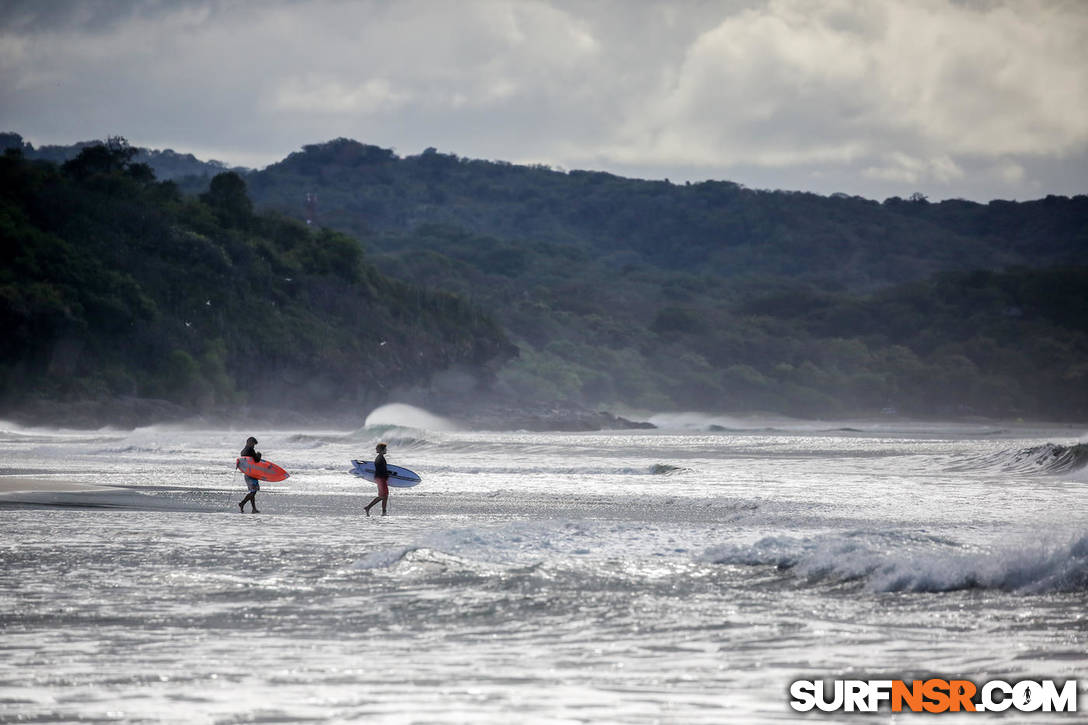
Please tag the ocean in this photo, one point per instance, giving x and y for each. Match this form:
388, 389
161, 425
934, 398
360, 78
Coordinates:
687, 574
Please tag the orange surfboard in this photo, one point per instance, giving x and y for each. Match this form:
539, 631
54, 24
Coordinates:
261, 470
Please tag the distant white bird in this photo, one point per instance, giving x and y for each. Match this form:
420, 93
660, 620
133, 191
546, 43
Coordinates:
208, 303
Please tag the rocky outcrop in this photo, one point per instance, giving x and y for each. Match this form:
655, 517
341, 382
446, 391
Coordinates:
547, 418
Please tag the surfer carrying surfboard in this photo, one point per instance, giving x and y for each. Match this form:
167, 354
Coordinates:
381, 477
251, 483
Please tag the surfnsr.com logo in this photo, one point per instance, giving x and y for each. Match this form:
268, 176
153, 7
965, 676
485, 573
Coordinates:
933, 695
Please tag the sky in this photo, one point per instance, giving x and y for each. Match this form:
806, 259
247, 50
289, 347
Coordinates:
973, 99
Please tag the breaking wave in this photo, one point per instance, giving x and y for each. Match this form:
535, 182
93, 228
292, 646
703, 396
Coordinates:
407, 416
399, 425
366, 436
918, 564
1047, 458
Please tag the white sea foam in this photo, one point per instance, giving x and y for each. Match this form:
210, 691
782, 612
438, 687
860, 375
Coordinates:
383, 559
891, 564
537, 577
1048, 458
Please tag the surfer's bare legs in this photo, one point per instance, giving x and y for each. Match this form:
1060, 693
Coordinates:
383, 494
383, 499
254, 487
251, 497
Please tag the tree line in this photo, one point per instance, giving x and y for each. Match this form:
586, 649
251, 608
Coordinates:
113, 283
598, 290
714, 296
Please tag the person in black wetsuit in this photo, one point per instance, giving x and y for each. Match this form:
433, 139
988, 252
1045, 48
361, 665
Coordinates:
381, 477
251, 483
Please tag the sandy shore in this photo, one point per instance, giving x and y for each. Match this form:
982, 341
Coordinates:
21, 484
60, 492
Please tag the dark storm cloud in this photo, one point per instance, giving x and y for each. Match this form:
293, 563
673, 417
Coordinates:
37, 16
971, 99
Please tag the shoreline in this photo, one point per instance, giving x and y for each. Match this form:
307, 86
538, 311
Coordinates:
132, 413
24, 484
127, 414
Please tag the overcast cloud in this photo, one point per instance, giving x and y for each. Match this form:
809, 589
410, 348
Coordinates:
951, 98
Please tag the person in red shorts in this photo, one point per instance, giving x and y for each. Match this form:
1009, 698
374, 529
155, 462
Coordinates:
381, 477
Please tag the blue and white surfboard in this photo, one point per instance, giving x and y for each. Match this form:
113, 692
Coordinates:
398, 476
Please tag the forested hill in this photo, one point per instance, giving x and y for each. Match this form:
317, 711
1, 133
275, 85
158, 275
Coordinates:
114, 284
615, 291
716, 297
715, 226
167, 164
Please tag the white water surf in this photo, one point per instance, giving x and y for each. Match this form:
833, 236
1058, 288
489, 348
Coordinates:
680, 575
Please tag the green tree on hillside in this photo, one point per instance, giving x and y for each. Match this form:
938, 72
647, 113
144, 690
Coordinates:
112, 283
